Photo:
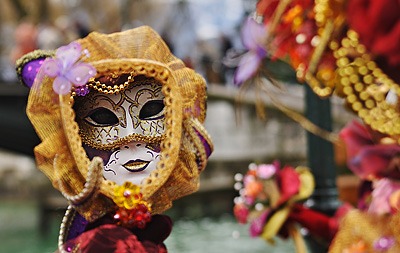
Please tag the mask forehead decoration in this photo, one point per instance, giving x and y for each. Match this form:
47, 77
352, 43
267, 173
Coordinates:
136, 113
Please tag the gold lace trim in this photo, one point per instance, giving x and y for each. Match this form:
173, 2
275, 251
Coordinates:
133, 137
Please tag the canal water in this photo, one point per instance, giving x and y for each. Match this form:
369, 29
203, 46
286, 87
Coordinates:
19, 233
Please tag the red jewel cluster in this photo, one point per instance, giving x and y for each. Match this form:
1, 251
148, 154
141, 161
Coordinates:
130, 211
137, 217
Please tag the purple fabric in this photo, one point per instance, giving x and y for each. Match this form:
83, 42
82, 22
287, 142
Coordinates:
30, 70
205, 144
78, 226
92, 152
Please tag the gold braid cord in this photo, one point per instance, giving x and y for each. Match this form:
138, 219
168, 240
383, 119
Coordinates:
61, 156
192, 161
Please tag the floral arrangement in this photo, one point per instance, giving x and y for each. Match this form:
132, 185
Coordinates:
307, 34
293, 31
349, 47
132, 211
375, 159
267, 195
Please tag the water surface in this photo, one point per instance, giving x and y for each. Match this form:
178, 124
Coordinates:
19, 233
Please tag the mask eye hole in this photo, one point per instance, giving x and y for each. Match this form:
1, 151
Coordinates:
102, 117
152, 110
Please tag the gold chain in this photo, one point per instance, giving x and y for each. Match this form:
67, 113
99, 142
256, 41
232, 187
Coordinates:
108, 89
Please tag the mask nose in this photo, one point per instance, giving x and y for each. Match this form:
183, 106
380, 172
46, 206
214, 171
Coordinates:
134, 145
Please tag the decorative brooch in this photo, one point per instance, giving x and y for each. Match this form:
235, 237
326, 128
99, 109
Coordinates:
68, 71
132, 211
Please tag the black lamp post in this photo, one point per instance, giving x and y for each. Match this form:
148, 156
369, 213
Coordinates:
320, 157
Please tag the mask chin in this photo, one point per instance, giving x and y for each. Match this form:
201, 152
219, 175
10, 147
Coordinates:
131, 162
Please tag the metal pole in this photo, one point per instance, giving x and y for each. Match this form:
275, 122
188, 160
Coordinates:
321, 161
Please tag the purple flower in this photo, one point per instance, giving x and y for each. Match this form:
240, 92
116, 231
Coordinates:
82, 91
249, 200
248, 179
253, 38
383, 189
266, 171
67, 70
257, 225
384, 243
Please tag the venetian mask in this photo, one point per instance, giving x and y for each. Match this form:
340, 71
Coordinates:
123, 128
142, 114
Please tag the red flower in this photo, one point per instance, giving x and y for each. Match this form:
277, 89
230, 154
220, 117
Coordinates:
241, 212
289, 183
378, 24
365, 158
267, 8
356, 137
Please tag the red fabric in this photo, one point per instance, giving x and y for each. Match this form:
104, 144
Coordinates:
378, 24
316, 223
112, 238
103, 236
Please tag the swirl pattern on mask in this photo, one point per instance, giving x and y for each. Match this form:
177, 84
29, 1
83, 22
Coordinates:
108, 120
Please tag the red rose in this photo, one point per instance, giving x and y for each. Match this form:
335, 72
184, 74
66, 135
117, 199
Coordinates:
289, 183
378, 24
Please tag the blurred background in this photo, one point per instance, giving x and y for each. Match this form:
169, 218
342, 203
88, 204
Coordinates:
206, 35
